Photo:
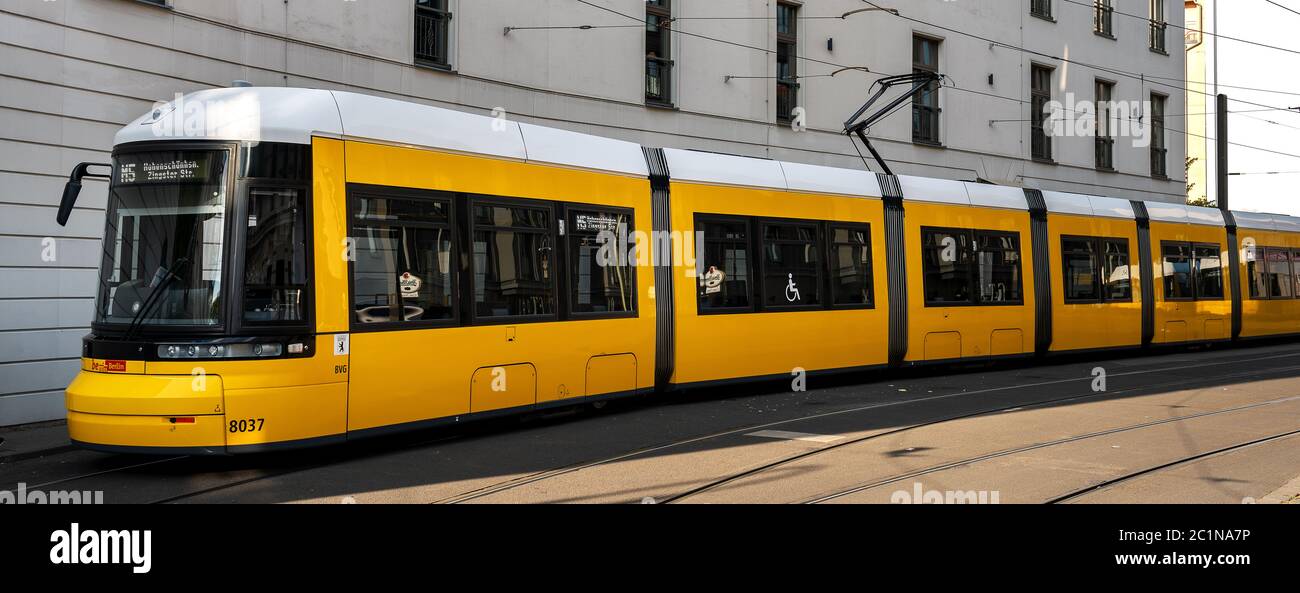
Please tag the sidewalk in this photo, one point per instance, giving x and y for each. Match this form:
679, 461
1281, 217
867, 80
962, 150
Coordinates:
33, 440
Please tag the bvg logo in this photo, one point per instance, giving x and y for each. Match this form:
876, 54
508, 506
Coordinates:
103, 547
108, 366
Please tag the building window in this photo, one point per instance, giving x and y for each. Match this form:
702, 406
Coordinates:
1103, 18
1041, 8
1159, 151
1096, 270
275, 259
514, 261
850, 265
658, 52
787, 60
1040, 95
1271, 272
791, 265
402, 264
432, 32
602, 274
724, 270
1192, 271
1158, 26
925, 103
1105, 141
970, 267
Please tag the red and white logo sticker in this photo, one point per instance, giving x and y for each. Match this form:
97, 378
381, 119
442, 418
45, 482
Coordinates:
108, 366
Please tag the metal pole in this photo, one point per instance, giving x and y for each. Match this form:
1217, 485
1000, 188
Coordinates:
1221, 150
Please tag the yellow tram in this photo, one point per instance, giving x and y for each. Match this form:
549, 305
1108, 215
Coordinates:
309, 266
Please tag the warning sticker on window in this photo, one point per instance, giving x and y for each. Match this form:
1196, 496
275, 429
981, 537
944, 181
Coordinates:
409, 284
712, 280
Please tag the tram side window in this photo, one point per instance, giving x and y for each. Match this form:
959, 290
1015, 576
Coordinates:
723, 276
1096, 269
999, 268
402, 260
1295, 276
1258, 279
1117, 283
1279, 274
514, 261
964, 266
275, 256
791, 266
1081, 264
602, 268
1192, 272
850, 265
947, 256
1178, 271
1209, 272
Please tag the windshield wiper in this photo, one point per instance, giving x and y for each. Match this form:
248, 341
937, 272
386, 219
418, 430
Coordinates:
154, 297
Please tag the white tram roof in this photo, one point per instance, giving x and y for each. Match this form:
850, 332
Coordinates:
274, 114
295, 115
1266, 222
725, 169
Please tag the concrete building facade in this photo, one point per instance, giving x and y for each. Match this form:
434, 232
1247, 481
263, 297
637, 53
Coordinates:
706, 74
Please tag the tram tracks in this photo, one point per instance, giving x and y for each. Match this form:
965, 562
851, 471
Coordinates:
559, 471
535, 478
1082, 492
1066, 440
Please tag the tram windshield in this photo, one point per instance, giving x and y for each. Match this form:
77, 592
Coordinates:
164, 239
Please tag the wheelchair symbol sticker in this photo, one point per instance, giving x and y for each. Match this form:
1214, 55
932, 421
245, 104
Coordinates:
791, 291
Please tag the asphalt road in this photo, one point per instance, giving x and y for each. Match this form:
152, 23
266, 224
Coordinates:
1218, 426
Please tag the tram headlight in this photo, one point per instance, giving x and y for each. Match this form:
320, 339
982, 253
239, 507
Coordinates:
267, 349
214, 351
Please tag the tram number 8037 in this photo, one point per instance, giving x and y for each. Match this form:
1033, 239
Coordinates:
247, 425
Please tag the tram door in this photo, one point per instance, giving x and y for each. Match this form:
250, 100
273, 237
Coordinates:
407, 356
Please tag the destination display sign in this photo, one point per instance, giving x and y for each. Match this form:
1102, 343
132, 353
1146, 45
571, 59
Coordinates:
595, 222
168, 167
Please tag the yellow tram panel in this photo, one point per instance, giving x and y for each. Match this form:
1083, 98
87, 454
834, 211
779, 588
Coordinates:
329, 232
961, 331
1190, 320
1084, 326
404, 376
724, 346
1264, 317
145, 433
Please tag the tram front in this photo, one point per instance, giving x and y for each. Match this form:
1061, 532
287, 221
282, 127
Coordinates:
202, 339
